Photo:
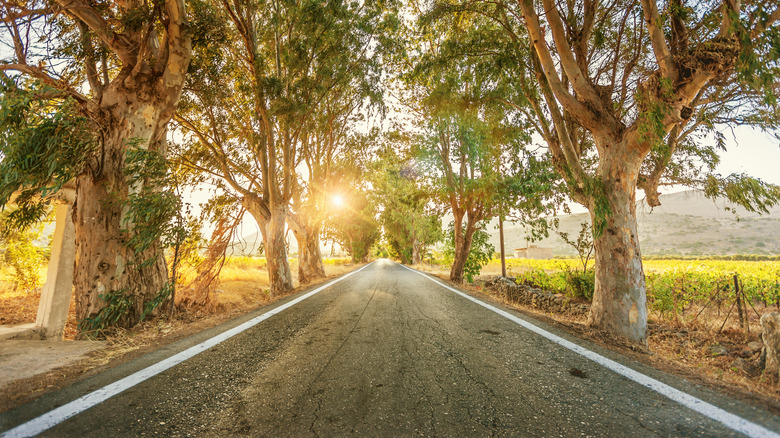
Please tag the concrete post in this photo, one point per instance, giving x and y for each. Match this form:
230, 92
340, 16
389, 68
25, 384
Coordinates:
56, 293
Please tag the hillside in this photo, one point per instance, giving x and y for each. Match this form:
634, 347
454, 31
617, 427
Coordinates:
686, 223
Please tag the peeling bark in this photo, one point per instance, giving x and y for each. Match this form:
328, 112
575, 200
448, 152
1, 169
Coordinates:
279, 274
272, 226
104, 263
310, 266
619, 300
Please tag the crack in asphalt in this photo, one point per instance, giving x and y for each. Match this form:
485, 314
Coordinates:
318, 397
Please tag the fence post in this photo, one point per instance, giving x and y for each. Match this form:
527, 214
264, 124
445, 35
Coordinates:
745, 303
717, 296
739, 302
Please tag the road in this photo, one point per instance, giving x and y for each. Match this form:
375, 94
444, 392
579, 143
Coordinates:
387, 352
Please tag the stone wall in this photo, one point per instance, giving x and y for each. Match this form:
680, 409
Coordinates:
536, 298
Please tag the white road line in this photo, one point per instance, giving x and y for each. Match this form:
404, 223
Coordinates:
728, 419
57, 416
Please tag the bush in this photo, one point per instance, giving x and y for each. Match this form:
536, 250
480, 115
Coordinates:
581, 284
21, 257
566, 280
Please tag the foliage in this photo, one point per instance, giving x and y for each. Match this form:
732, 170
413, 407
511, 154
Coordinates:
159, 298
44, 143
118, 304
583, 245
409, 221
21, 254
479, 255
154, 206
155, 216
580, 284
475, 151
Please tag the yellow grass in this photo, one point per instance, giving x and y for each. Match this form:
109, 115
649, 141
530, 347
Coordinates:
243, 281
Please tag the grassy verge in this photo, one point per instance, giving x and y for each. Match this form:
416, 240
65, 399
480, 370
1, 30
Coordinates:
242, 286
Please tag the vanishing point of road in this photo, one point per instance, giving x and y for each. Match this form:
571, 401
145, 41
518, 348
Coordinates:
385, 351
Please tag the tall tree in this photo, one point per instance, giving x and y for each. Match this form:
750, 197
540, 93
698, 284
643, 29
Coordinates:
251, 117
616, 89
409, 217
692, 50
328, 150
121, 66
477, 148
477, 168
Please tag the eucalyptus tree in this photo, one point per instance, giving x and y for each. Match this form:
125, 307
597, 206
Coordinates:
410, 219
478, 153
619, 90
252, 115
477, 168
116, 69
329, 147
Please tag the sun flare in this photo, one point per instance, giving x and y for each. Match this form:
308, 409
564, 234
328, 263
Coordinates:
337, 201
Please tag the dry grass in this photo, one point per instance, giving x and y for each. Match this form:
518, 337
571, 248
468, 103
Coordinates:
242, 286
18, 307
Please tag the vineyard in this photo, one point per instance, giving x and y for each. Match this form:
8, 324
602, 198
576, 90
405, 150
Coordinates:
717, 293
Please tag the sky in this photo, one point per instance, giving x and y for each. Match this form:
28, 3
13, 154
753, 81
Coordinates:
753, 152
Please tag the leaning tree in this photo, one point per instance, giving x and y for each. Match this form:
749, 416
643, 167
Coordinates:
118, 69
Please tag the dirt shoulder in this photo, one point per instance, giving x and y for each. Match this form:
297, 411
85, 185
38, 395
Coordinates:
61, 363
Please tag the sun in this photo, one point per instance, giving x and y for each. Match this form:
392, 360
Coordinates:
337, 201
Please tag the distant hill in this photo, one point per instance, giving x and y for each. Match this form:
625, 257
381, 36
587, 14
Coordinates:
686, 223
249, 245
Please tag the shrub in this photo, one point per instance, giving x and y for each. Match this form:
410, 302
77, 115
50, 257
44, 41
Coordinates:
21, 256
581, 284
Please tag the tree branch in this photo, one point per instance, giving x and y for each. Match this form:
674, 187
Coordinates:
49, 80
579, 82
118, 43
586, 116
660, 48
91, 65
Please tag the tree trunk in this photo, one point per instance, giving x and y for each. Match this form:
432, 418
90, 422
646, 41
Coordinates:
462, 242
310, 265
106, 269
279, 274
619, 300
272, 225
416, 247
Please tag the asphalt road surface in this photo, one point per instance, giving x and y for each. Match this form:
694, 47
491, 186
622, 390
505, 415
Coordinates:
387, 352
